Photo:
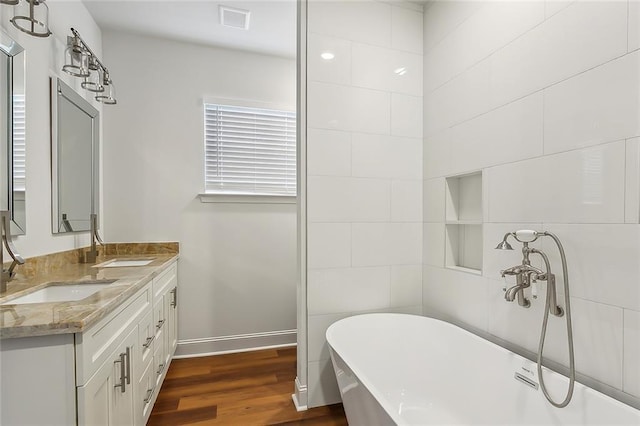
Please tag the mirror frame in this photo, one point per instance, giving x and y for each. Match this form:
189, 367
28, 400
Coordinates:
15, 53
60, 89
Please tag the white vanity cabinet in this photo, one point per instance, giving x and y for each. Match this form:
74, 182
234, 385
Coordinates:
110, 374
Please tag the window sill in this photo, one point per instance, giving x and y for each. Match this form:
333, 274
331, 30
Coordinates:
247, 198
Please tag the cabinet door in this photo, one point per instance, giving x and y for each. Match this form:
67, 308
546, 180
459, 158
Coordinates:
145, 395
107, 398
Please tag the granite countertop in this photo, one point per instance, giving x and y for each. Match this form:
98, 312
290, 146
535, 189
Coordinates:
39, 319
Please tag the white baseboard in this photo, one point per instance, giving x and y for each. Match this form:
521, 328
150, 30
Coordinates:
300, 396
239, 343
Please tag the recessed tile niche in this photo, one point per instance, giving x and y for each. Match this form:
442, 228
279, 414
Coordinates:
464, 223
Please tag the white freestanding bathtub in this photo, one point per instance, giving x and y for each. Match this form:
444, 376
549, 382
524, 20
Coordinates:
412, 370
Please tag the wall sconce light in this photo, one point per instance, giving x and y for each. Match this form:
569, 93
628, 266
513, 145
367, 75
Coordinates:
30, 16
80, 61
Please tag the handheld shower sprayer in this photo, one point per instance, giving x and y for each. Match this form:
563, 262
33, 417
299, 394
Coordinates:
525, 275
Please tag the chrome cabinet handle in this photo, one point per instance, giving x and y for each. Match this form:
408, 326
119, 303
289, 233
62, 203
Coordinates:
160, 324
128, 354
160, 369
147, 344
123, 384
174, 302
149, 395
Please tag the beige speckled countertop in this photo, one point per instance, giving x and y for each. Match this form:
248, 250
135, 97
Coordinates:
38, 319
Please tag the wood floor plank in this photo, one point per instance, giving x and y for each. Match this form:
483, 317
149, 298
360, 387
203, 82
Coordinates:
249, 388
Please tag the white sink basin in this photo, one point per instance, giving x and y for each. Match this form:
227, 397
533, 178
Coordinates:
121, 263
60, 293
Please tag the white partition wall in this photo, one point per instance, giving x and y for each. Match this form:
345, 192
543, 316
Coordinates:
364, 169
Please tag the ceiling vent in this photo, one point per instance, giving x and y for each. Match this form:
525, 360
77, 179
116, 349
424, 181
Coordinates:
234, 18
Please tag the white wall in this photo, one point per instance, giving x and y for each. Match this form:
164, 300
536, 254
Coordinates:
364, 171
237, 261
544, 98
45, 57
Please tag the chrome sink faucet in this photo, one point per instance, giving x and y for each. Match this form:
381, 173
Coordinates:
91, 255
8, 274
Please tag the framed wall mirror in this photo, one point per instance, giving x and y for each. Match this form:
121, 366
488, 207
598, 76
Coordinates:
12, 126
75, 162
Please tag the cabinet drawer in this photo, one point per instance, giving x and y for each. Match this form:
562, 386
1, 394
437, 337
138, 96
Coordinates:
94, 345
146, 394
165, 282
146, 336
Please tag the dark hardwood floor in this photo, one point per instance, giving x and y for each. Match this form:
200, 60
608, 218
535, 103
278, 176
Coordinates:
248, 388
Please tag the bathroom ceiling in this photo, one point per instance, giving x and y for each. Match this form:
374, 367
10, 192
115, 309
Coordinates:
272, 27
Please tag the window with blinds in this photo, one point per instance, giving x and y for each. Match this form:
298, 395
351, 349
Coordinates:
249, 150
19, 129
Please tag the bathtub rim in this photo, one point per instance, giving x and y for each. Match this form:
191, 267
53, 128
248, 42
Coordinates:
547, 364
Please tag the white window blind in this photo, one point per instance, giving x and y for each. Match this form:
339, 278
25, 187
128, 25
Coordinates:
249, 150
19, 129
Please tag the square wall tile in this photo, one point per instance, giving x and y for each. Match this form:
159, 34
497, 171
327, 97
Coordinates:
602, 261
632, 182
600, 105
335, 70
406, 201
406, 29
507, 134
583, 186
329, 245
631, 372
364, 21
406, 116
328, 153
406, 286
433, 199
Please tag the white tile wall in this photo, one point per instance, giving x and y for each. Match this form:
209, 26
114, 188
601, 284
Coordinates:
632, 181
507, 134
406, 115
406, 285
634, 25
328, 153
600, 105
631, 378
433, 200
602, 261
386, 156
322, 387
494, 25
406, 30
579, 37
551, 114
348, 289
316, 329
329, 245
585, 186
406, 200
336, 70
367, 21
386, 69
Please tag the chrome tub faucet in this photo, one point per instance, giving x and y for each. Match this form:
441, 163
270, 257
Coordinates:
8, 274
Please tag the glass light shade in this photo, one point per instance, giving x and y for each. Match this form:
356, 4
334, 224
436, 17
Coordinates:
76, 59
94, 82
109, 95
31, 17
